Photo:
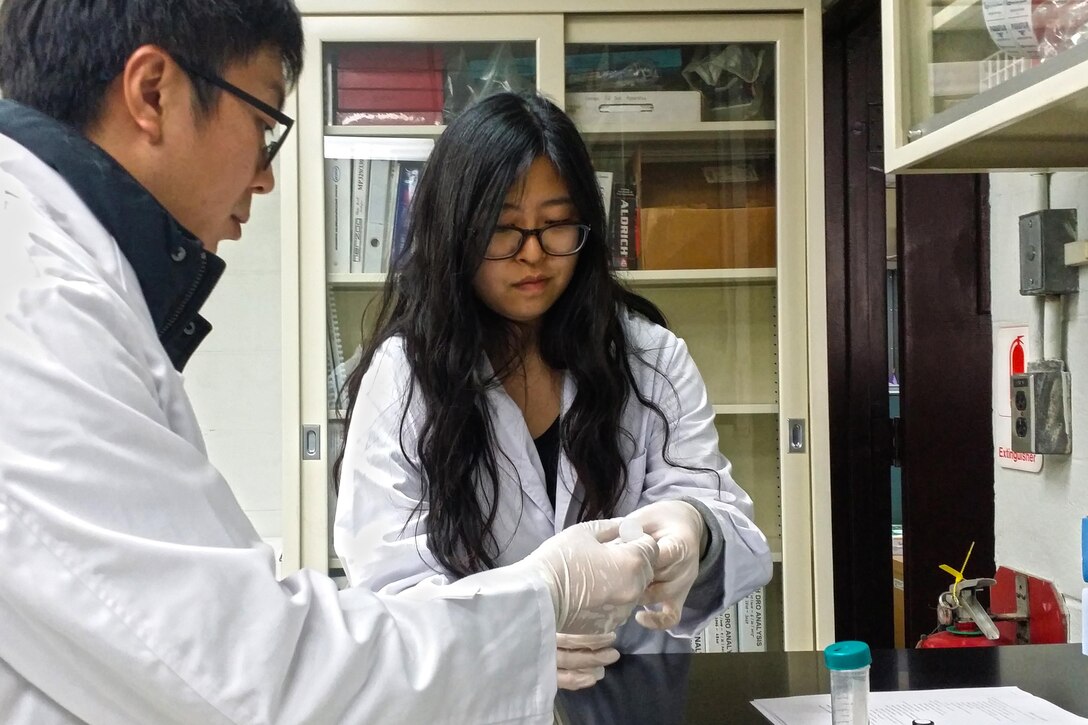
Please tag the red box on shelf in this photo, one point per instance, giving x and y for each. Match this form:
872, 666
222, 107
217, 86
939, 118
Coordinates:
347, 78
390, 57
386, 99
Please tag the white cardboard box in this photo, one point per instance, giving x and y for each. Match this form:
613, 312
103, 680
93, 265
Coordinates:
595, 109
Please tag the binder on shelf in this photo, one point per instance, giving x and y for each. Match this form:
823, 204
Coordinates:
721, 634
390, 214
360, 186
604, 181
752, 623
377, 203
337, 215
406, 189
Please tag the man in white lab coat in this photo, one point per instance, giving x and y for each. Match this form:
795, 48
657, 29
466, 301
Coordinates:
133, 588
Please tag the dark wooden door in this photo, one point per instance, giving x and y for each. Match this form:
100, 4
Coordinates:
945, 440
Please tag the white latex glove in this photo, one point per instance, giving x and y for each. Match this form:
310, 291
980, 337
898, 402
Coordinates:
594, 585
581, 658
680, 532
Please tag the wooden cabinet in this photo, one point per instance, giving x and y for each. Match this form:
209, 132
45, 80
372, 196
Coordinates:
728, 160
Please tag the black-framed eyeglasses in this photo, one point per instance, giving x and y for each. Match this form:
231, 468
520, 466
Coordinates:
274, 136
558, 240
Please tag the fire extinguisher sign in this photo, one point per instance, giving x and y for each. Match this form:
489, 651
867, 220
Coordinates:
1010, 356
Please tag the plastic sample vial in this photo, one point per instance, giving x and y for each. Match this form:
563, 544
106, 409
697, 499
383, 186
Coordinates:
1084, 592
630, 530
849, 663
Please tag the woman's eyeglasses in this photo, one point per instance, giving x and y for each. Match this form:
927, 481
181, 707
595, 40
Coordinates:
558, 240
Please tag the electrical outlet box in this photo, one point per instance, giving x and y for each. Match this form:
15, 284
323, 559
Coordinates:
1043, 236
1041, 411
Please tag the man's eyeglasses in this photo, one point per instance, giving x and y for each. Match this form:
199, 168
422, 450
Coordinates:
273, 137
558, 240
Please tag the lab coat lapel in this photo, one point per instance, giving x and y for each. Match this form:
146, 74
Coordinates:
568, 494
512, 436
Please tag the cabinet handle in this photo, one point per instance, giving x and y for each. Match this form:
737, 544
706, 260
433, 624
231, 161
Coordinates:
311, 442
796, 431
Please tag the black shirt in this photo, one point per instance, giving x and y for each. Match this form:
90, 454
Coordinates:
547, 447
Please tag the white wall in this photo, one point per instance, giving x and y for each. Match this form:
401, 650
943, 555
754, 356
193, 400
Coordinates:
1037, 521
234, 377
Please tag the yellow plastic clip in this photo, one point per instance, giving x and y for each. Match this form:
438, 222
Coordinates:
958, 575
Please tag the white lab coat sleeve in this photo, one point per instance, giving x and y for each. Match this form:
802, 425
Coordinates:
380, 528
133, 590
693, 441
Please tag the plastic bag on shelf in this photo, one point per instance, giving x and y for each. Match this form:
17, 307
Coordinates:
639, 75
468, 81
733, 78
1059, 25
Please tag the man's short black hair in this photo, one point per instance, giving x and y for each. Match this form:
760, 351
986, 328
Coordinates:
59, 56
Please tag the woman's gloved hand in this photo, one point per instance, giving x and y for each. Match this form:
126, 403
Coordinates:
594, 585
581, 658
680, 532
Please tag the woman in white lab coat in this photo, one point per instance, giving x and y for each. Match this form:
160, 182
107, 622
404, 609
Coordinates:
513, 387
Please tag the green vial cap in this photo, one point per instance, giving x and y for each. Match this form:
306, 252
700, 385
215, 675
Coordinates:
847, 655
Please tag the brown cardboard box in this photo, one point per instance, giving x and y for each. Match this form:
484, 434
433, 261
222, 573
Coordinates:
706, 185
683, 238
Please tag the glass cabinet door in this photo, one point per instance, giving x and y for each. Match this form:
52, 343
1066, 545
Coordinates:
697, 128
699, 153
1000, 73
379, 90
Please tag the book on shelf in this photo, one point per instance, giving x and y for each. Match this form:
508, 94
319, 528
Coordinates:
604, 182
347, 78
376, 213
390, 99
406, 189
334, 356
720, 635
752, 629
360, 185
337, 215
391, 57
623, 229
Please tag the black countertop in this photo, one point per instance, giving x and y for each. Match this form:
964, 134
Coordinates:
718, 688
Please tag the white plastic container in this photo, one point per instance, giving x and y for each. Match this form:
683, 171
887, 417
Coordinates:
849, 663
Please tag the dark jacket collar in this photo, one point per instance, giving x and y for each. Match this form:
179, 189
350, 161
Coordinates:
176, 273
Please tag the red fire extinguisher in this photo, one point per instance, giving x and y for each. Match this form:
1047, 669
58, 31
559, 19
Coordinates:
1016, 356
963, 622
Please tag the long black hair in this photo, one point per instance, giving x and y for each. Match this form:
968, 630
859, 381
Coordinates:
429, 301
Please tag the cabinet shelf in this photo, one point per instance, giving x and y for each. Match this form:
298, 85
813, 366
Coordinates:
1033, 120
735, 409
703, 277
678, 132
635, 278
369, 131
959, 15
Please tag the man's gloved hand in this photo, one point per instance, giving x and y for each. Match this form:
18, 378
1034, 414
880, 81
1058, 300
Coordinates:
594, 585
581, 658
680, 532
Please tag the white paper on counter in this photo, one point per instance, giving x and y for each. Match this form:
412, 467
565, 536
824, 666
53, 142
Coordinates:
968, 706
